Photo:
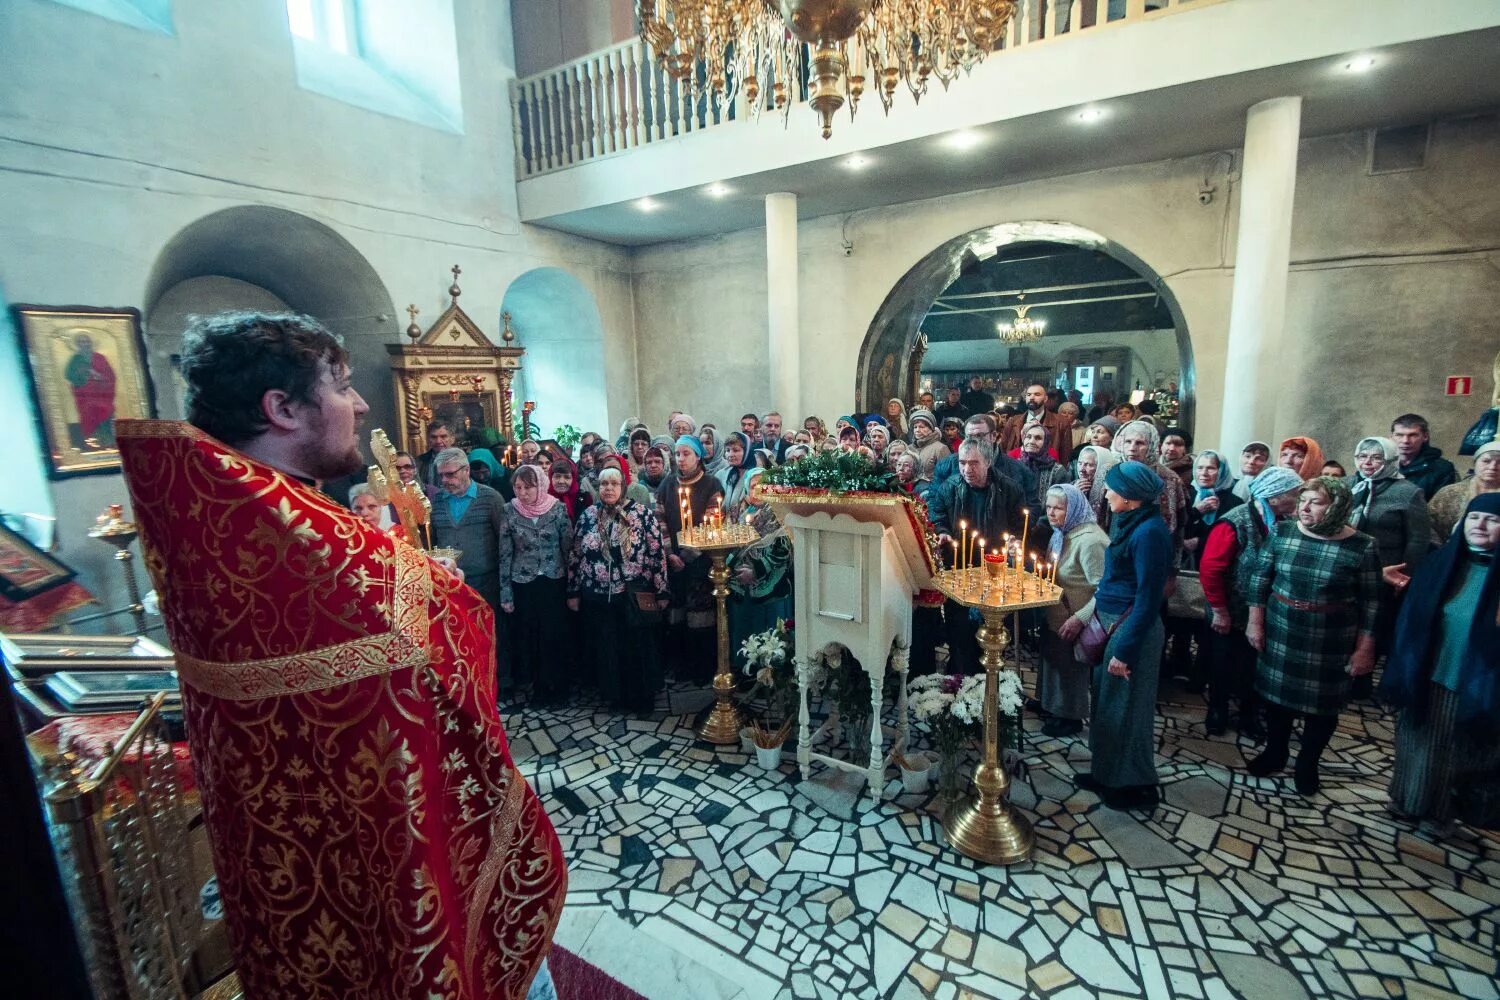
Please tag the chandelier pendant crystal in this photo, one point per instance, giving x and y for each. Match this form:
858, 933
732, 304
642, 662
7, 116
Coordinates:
724, 48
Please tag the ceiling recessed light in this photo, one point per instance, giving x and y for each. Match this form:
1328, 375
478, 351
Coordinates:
856, 162
1359, 64
963, 139
719, 190
647, 205
1088, 115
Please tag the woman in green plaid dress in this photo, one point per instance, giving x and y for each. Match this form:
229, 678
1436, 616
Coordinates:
1314, 598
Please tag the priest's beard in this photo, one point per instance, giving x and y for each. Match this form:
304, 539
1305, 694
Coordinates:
325, 458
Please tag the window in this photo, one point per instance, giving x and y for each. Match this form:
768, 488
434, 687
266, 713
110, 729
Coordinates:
330, 23
395, 57
148, 15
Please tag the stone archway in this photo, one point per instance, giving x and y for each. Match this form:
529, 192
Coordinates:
884, 367
260, 257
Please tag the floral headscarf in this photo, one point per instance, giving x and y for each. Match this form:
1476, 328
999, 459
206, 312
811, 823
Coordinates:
1341, 503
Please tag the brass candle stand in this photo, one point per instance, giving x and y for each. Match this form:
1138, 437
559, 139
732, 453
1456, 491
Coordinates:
724, 723
981, 825
112, 527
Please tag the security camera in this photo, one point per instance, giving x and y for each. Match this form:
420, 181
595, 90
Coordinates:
1206, 196
848, 249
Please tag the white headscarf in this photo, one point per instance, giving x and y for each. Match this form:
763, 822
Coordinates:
1365, 487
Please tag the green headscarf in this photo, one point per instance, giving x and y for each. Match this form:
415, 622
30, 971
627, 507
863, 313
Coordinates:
1341, 502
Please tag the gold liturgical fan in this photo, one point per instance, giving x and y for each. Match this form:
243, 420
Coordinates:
454, 373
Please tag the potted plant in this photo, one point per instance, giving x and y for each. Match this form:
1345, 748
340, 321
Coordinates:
769, 659
951, 707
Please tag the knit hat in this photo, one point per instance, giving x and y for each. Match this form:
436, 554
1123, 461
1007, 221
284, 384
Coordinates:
922, 413
1134, 481
1108, 422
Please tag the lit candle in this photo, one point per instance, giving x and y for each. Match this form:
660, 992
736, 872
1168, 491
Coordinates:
953, 542
963, 543
1025, 526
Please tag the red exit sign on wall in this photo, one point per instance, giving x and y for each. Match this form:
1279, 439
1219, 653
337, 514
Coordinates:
1460, 385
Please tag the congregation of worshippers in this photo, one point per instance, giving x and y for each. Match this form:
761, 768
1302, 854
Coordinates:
1317, 579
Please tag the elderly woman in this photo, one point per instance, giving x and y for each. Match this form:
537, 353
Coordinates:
691, 618
1302, 455
1212, 498
878, 439
534, 545
1076, 429
1102, 431
364, 504
895, 418
1127, 605
893, 451
1447, 505
1040, 459
1094, 463
1078, 548
1139, 441
908, 470
713, 457
1226, 560
1442, 679
562, 479
1393, 511
926, 443
637, 445
636, 491
733, 476
617, 581
1314, 600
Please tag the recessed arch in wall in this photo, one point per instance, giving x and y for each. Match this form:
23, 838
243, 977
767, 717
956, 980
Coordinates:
885, 357
557, 321
260, 257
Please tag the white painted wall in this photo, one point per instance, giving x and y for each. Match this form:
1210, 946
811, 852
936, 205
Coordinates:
1395, 285
102, 165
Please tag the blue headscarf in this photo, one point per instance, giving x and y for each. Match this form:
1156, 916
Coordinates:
1080, 511
873, 418
1272, 483
691, 441
1134, 481
747, 460
1408, 671
1220, 484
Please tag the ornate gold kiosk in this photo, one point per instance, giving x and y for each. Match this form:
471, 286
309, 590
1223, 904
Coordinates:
982, 825
453, 372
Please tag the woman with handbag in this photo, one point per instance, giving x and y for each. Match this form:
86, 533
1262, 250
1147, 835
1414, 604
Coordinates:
617, 582
535, 539
1127, 611
1210, 498
1314, 599
1078, 548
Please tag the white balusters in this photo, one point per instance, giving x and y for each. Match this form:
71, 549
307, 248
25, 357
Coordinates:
633, 79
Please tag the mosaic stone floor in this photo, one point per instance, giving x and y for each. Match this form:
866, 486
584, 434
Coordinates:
695, 874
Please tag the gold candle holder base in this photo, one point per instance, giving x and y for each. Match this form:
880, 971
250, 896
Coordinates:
724, 722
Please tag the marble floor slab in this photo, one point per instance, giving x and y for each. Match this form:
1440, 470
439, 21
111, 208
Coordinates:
697, 874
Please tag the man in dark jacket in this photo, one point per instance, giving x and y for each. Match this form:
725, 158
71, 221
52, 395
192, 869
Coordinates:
989, 506
976, 400
982, 426
1421, 463
952, 406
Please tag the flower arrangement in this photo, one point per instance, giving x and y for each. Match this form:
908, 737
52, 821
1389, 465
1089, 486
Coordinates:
951, 706
838, 471
769, 658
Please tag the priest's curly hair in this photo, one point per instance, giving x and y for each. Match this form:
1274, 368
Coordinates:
230, 360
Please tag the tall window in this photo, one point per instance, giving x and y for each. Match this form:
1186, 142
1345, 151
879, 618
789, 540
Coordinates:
331, 23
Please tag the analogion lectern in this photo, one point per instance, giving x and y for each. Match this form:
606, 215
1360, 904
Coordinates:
859, 559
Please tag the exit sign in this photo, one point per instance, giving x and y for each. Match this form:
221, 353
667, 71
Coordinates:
1460, 385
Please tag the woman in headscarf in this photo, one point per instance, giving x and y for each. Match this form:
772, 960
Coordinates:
1446, 508
1139, 441
636, 491
497, 476
1094, 463
535, 540
1127, 603
691, 619
760, 577
842, 422
655, 467
713, 459
1314, 601
848, 438
1302, 455
562, 481
1392, 510
738, 461
682, 424
895, 418
817, 428
908, 470
1211, 500
1443, 677
1076, 429
953, 433
1078, 548
636, 447
617, 581
627, 432
1232, 549
878, 439
1040, 459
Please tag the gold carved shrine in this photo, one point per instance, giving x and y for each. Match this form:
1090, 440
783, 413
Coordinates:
452, 372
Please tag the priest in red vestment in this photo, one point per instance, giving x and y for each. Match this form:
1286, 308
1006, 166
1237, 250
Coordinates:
371, 836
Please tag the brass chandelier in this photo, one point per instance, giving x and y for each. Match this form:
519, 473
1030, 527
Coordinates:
1022, 330
724, 47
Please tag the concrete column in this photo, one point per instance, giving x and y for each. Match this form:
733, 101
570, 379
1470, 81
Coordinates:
781, 308
1257, 311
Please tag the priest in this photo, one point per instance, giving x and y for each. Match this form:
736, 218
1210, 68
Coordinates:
371, 835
